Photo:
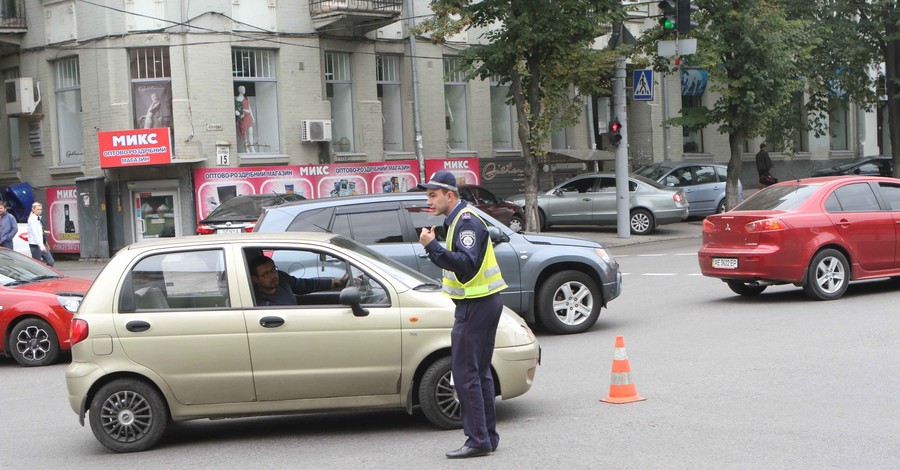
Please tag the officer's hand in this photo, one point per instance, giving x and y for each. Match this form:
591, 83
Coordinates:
426, 236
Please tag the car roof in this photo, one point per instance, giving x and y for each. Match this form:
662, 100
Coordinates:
823, 180
348, 200
220, 239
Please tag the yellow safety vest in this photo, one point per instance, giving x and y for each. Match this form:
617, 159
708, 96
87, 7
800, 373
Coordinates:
485, 282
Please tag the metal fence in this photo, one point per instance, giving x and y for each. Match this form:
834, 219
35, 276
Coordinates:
12, 14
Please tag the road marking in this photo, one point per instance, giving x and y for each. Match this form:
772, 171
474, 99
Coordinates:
652, 254
659, 274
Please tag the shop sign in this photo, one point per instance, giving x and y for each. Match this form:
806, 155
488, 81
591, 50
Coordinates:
126, 148
62, 220
464, 169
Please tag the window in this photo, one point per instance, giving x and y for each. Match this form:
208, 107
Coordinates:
312, 221
502, 117
487, 197
387, 79
422, 217
581, 185
722, 173
680, 177
151, 87
255, 100
68, 112
338, 89
837, 124
370, 228
183, 280
693, 138
455, 111
892, 194
560, 138
856, 198
705, 174
13, 128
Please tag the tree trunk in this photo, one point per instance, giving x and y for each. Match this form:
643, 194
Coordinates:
532, 219
735, 163
892, 75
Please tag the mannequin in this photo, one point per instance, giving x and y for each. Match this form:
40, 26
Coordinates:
152, 111
245, 119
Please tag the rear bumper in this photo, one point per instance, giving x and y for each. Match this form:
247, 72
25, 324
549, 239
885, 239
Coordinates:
671, 216
764, 263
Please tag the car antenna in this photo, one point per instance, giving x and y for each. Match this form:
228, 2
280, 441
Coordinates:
280, 197
795, 176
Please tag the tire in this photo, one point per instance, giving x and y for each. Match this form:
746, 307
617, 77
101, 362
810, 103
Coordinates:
828, 275
747, 290
721, 207
516, 225
33, 343
542, 220
641, 222
437, 397
128, 415
569, 302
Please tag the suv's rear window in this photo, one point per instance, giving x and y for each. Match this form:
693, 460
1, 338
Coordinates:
779, 198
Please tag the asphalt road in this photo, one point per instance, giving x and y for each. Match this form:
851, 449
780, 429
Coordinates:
776, 381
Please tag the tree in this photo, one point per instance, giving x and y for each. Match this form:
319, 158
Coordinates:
542, 49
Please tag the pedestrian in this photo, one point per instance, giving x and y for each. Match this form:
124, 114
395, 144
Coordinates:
764, 166
472, 278
36, 233
8, 226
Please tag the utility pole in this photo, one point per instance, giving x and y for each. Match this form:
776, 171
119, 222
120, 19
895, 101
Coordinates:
417, 120
623, 206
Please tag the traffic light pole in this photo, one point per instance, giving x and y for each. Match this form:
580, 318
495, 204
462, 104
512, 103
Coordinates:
623, 207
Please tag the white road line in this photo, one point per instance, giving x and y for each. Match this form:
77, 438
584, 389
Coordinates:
652, 254
686, 254
659, 274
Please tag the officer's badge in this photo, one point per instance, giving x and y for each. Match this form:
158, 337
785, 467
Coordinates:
467, 238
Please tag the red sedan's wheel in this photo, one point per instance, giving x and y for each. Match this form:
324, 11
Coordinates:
828, 275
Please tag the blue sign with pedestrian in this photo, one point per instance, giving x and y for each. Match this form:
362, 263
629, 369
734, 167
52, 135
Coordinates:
643, 85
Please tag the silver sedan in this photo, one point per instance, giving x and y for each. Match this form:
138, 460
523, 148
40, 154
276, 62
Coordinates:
590, 199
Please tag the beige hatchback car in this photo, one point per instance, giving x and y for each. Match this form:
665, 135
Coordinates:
170, 331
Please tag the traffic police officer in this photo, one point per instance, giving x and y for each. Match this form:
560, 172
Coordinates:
472, 279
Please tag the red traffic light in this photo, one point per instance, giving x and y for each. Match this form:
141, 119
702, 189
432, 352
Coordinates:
615, 126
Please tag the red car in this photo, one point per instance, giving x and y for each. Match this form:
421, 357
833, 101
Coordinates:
818, 233
510, 214
36, 308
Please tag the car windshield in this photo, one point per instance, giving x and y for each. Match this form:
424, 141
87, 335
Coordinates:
409, 277
779, 198
18, 269
653, 172
249, 207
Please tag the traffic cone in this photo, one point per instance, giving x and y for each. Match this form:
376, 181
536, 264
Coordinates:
621, 389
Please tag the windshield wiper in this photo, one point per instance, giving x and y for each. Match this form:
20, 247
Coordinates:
44, 277
15, 283
428, 286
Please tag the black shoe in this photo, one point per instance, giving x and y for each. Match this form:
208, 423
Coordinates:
465, 452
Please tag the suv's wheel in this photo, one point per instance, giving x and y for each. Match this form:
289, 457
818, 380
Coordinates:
827, 276
568, 302
515, 224
641, 222
745, 289
127, 415
437, 396
33, 343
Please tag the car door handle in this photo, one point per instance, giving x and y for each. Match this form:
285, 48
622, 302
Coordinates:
586, 199
844, 223
271, 322
423, 255
137, 326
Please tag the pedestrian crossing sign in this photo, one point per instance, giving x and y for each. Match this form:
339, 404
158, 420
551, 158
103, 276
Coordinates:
643, 85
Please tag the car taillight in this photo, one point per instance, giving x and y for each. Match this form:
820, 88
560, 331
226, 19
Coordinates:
205, 230
766, 225
678, 197
79, 331
708, 226
249, 228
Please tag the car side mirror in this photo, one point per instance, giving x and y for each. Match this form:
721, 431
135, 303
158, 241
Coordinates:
671, 185
557, 192
496, 235
350, 297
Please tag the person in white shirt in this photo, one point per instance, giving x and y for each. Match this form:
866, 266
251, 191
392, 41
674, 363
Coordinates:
36, 232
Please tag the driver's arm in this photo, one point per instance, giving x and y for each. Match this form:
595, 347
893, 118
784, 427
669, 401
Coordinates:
302, 286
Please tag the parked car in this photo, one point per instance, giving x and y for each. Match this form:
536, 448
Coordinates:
170, 332
867, 166
817, 233
36, 308
507, 213
239, 214
561, 281
703, 184
590, 199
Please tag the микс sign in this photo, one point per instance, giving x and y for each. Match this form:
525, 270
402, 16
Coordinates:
135, 147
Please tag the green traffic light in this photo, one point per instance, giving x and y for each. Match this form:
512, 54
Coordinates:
667, 24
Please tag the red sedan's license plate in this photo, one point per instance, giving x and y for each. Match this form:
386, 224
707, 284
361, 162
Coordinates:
725, 263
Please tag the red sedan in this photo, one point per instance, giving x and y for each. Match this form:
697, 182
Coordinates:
818, 233
36, 308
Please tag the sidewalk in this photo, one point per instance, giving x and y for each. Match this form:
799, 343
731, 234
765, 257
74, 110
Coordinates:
607, 236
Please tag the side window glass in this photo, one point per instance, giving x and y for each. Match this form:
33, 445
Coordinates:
892, 194
193, 279
722, 173
371, 228
857, 198
671, 180
466, 195
342, 225
606, 184
371, 292
632, 186
867, 169
582, 185
312, 221
487, 197
422, 218
706, 174
683, 176
832, 204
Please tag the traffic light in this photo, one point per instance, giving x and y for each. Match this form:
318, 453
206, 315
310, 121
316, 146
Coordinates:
669, 19
615, 133
683, 23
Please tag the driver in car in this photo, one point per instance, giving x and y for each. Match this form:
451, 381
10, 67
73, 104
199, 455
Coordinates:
274, 287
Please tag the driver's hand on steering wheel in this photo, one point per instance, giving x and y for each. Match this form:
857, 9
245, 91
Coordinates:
340, 281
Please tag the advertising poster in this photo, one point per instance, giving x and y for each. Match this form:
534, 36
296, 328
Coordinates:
464, 169
217, 185
350, 179
152, 104
135, 147
61, 219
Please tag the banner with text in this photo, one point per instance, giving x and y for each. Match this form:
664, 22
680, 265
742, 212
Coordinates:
61, 215
135, 147
464, 169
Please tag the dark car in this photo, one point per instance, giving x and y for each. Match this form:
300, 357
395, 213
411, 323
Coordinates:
561, 281
510, 214
867, 166
703, 184
239, 213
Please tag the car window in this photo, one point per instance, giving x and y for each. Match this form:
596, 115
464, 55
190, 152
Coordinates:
179, 280
779, 198
316, 220
857, 197
705, 174
370, 228
832, 204
422, 217
467, 194
892, 194
487, 197
581, 185
885, 168
606, 183
680, 177
722, 173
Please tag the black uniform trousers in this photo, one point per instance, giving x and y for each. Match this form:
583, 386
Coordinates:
472, 345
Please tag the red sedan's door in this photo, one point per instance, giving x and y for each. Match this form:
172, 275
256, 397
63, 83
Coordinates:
891, 195
867, 230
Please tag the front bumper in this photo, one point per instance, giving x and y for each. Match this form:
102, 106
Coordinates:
515, 368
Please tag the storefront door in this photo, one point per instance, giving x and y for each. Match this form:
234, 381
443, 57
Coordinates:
156, 214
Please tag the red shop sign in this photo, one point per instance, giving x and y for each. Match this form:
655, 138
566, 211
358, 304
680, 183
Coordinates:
135, 147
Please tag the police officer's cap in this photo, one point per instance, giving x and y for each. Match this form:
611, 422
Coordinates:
442, 179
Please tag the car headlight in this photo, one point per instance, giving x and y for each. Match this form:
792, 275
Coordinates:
512, 331
69, 303
603, 254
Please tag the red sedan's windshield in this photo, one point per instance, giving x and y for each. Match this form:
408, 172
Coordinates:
779, 198
16, 268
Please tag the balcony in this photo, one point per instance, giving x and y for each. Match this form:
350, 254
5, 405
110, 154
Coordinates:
12, 16
353, 17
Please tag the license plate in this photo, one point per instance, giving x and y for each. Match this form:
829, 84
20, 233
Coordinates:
229, 230
725, 263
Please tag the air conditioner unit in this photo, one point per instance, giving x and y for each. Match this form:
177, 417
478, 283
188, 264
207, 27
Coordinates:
315, 130
19, 96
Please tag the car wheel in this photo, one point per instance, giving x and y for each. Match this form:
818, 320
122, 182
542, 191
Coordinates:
515, 224
569, 302
745, 289
542, 220
34, 343
828, 275
437, 396
641, 222
721, 207
128, 415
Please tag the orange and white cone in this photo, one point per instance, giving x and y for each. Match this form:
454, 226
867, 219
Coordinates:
621, 389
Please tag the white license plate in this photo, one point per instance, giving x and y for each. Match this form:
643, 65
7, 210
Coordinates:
229, 230
725, 263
